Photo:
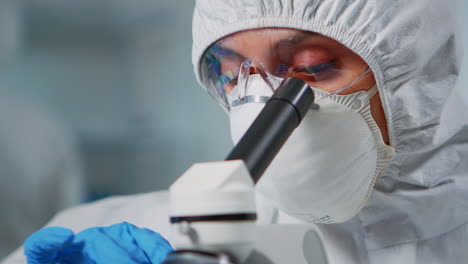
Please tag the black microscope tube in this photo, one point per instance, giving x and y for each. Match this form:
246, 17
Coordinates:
273, 126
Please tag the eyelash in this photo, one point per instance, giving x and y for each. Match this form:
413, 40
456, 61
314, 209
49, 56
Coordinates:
281, 69
316, 69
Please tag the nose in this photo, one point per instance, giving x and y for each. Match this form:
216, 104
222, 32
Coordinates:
253, 70
250, 67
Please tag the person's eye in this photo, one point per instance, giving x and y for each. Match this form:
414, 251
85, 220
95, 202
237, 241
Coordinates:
312, 63
314, 69
314, 73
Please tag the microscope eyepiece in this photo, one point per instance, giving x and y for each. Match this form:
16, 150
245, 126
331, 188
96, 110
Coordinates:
282, 113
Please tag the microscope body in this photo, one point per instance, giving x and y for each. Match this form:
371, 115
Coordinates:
213, 220
213, 210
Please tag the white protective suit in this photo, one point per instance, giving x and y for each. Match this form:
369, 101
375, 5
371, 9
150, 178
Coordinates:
418, 212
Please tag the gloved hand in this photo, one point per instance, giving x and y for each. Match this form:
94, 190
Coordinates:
119, 243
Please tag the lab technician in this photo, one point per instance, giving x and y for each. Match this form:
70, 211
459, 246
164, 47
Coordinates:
381, 166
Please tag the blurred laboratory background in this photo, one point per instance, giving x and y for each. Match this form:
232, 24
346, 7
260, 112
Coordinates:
101, 91
98, 98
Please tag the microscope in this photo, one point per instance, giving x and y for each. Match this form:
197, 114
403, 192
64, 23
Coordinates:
213, 214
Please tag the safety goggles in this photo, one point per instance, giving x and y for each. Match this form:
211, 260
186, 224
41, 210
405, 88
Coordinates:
322, 62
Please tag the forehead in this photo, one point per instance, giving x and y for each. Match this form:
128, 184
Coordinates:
270, 35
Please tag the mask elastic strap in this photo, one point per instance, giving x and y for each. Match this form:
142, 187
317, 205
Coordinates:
369, 94
359, 78
250, 99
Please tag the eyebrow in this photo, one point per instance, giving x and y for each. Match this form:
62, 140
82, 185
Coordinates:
227, 51
297, 38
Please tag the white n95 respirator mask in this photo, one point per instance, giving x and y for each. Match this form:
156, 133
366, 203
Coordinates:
326, 170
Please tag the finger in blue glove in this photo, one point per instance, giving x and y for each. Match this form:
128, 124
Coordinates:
47, 245
124, 243
118, 243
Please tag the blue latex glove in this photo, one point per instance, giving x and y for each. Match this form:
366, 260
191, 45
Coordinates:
119, 243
